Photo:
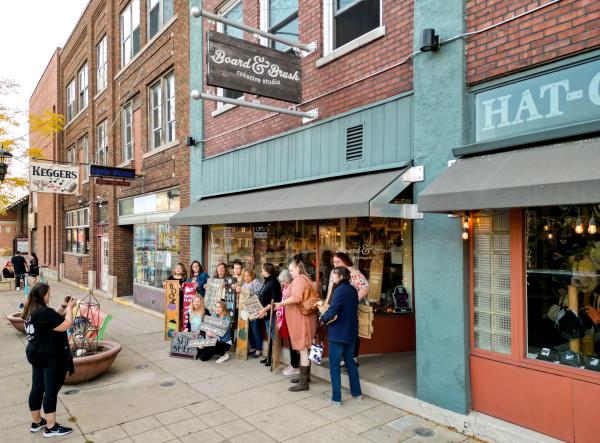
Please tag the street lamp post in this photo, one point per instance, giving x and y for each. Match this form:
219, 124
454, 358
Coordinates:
5, 157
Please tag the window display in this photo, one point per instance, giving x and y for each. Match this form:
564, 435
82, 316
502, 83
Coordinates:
563, 266
77, 231
156, 251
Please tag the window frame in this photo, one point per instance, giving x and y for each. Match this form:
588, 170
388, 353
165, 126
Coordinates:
83, 81
164, 111
127, 145
101, 148
83, 144
266, 4
70, 154
102, 65
71, 101
77, 221
226, 9
129, 13
161, 16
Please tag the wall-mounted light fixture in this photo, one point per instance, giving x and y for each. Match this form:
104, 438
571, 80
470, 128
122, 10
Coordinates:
430, 41
191, 141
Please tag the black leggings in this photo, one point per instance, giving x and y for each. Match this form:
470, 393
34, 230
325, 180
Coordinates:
47, 378
219, 349
294, 358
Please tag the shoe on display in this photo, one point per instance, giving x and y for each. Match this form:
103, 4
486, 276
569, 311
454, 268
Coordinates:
223, 358
37, 427
57, 431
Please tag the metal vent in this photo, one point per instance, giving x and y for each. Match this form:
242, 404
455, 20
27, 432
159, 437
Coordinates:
354, 142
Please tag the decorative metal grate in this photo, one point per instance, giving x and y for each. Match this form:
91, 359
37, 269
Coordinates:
354, 142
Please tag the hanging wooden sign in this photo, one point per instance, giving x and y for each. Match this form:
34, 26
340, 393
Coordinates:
172, 324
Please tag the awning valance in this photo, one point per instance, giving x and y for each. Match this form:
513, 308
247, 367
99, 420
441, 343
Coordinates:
351, 196
561, 174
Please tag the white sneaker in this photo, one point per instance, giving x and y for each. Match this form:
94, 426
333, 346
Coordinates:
290, 370
223, 358
336, 404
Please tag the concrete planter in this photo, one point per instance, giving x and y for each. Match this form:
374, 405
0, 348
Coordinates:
17, 322
92, 366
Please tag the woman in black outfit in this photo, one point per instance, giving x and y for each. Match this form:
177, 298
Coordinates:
49, 354
34, 267
270, 293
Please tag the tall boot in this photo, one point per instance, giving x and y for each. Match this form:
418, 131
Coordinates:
297, 379
303, 383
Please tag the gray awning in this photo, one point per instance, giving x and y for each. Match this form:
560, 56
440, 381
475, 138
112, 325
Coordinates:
559, 174
353, 196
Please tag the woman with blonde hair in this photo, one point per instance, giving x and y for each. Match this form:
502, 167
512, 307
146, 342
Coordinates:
196, 314
301, 327
224, 342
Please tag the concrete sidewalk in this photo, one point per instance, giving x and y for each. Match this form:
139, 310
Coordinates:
149, 397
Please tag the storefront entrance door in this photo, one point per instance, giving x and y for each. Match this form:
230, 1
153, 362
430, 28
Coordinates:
104, 258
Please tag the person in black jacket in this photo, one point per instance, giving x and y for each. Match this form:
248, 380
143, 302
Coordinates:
20, 268
34, 267
270, 293
342, 318
49, 354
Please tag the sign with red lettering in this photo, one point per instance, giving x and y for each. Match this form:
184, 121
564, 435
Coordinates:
189, 292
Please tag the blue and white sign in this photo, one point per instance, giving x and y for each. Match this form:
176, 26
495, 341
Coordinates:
562, 97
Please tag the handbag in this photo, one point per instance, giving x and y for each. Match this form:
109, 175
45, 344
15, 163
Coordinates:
316, 353
365, 320
308, 304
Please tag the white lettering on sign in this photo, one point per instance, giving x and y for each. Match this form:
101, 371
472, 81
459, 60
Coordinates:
258, 64
594, 89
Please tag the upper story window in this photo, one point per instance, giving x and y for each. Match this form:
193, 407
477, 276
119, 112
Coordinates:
283, 21
85, 157
71, 154
127, 132
162, 111
82, 77
353, 18
233, 11
159, 13
71, 104
101, 144
130, 31
102, 65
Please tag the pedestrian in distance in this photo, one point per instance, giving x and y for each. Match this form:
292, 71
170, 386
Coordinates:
223, 345
301, 327
49, 354
342, 331
254, 285
285, 279
198, 277
269, 294
34, 268
20, 268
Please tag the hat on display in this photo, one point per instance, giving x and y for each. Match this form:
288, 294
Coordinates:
547, 354
571, 358
569, 324
592, 363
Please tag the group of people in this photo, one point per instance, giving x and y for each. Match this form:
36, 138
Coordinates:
18, 269
283, 292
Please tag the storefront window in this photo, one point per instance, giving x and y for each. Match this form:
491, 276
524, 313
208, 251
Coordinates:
380, 248
78, 231
156, 253
563, 263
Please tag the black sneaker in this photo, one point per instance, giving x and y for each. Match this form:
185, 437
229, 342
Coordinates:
57, 431
37, 427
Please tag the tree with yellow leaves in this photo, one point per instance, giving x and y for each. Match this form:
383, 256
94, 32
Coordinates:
46, 124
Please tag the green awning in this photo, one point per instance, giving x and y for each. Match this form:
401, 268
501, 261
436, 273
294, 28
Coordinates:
561, 174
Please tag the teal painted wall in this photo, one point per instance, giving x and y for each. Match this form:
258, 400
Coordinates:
439, 260
315, 151
196, 125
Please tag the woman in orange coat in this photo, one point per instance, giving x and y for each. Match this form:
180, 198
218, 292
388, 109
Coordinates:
301, 327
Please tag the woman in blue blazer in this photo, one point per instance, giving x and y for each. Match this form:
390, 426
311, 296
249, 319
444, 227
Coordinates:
342, 317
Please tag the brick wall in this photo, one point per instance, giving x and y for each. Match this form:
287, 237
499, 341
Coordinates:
76, 267
557, 31
379, 54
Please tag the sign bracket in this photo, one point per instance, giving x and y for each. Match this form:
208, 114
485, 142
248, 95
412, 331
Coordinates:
307, 49
306, 116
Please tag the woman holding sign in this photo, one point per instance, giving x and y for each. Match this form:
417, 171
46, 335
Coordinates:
198, 277
270, 293
224, 342
251, 283
196, 314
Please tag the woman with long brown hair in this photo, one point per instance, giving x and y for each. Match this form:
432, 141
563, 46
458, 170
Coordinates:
49, 354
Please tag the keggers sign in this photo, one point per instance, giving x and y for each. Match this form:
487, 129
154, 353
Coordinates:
52, 178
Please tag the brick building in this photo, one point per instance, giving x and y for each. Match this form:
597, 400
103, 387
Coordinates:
123, 90
8, 230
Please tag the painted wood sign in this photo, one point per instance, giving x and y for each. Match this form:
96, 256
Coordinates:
215, 288
172, 319
189, 292
250, 303
230, 295
216, 326
244, 66
243, 326
203, 342
182, 345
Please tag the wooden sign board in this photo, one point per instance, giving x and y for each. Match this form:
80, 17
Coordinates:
250, 303
181, 345
245, 66
214, 325
203, 342
189, 292
215, 291
172, 320
230, 294
243, 326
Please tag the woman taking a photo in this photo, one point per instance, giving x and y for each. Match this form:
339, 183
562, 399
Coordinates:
49, 354
301, 327
342, 317
198, 277
357, 279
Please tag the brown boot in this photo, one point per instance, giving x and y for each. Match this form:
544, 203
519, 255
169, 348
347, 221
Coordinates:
297, 378
303, 382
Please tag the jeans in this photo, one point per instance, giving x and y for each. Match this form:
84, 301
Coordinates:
256, 338
337, 351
